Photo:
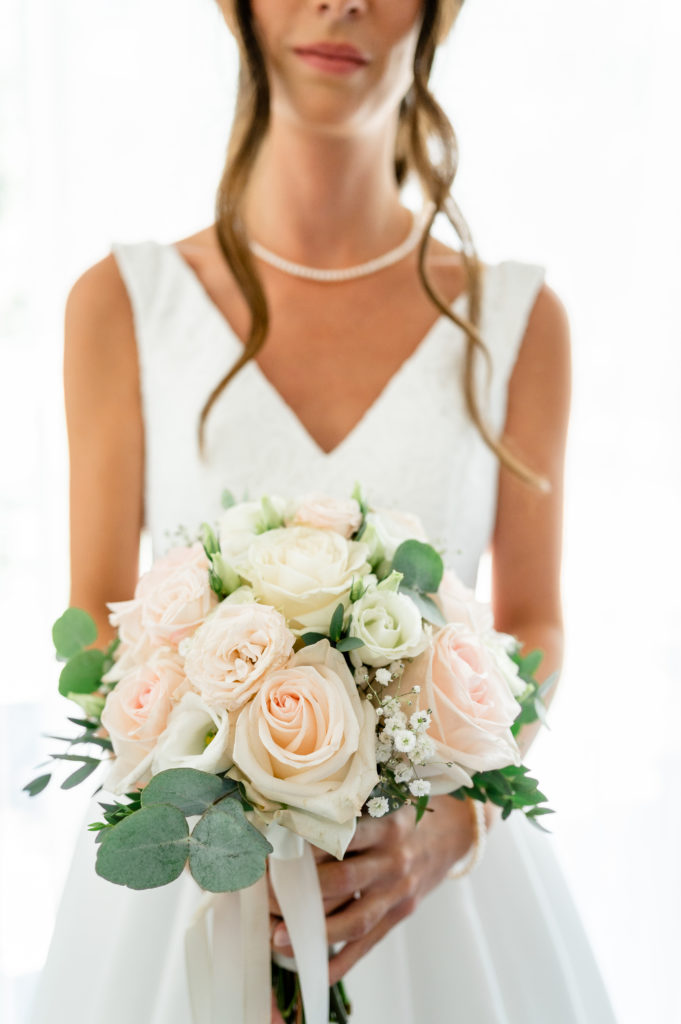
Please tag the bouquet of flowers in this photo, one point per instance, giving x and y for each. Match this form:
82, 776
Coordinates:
298, 664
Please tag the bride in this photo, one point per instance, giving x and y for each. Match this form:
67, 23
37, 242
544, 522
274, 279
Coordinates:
222, 361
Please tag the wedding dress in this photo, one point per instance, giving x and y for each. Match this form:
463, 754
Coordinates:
503, 945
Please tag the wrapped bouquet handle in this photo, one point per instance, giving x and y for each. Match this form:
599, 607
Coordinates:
229, 974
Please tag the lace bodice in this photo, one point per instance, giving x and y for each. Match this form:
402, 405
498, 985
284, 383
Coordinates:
415, 447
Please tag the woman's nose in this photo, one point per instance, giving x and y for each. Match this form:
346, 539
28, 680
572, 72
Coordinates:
340, 7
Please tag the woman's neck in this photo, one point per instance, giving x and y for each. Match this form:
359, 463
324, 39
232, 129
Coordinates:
325, 201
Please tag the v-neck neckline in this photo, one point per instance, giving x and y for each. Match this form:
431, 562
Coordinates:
391, 382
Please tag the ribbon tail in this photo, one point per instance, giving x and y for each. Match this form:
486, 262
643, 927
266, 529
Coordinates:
255, 936
296, 885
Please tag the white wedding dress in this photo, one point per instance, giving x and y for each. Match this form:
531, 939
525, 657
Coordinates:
501, 946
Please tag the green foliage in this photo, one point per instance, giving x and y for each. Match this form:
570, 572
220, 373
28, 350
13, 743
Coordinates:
227, 499
37, 785
82, 673
226, 852
420, 564
358, 495
209, 540
510, 788
532, 699
349, 643
82, 773
425, 604
187, 789
336, 625
73, 631
145, 850
313, 638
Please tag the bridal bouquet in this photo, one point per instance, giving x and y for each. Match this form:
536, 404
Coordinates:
298, 664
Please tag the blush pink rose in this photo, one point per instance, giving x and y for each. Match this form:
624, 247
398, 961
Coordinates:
231, 652
171, 600
307, 740
458, 603
470, 700
324, 512
136, 713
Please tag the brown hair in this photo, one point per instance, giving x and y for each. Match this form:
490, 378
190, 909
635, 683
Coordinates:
421, 123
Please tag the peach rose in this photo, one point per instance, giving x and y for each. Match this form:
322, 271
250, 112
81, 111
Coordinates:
170, 601
471, 703
304, 573
324, 512
307, 741
230, 653
136, 713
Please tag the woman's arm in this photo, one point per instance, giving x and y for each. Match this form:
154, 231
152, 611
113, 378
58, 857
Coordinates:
395, 864
106, 442
527, 538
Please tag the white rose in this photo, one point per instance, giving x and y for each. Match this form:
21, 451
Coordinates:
241, 523
230, 654
307, 740
390, 626
393, 526
196, 736
304, 573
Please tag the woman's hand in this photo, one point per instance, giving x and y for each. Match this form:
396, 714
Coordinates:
392, 863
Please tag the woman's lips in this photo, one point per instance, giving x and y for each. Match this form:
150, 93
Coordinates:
336, 63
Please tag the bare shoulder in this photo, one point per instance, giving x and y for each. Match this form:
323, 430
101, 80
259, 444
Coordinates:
99, 337
541, 378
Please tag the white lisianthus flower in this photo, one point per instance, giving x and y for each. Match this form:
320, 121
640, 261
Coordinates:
241, 524
419, 787
389, 625
196, 736
392, 527
378, 806
305, 573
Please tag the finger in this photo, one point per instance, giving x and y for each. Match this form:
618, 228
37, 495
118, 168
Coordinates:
340, 964
276, 1016
340, 880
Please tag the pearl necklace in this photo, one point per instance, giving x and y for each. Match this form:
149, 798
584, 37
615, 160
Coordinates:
348, 273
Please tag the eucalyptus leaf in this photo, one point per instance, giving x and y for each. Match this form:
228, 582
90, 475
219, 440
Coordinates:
145, 850
80, 775
313, 638
426, 606
336, 626
420, 564
82, 673
73, 631
548, 684
187, 789
226, 852
531, 662
349, 643
36, 786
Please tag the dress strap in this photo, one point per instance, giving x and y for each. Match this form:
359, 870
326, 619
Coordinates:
510, 296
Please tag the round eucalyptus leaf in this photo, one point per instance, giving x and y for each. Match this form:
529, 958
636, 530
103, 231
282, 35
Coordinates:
420, 564
145, 850
425, 604
187, 789
82, 673
226, 852
73, 631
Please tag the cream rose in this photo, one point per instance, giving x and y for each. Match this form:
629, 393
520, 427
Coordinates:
472, 706
242, 523
324, 512
307, 741
390, 626
304, 573
195, 736
170, 601
136, 712
392, 527
229, 655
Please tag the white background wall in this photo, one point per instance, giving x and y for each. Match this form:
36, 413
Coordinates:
113, 124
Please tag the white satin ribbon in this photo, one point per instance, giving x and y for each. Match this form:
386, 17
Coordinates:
228, 973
